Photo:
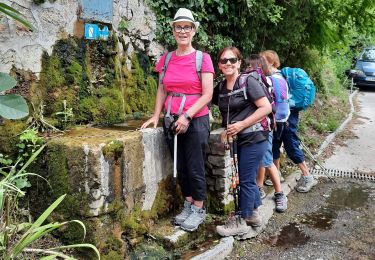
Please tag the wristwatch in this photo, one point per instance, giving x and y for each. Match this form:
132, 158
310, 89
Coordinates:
187, 116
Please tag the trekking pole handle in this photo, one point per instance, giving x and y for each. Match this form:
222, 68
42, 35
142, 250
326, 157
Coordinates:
230, 143
234, 138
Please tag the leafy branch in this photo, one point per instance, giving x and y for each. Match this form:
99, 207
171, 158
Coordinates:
13, 13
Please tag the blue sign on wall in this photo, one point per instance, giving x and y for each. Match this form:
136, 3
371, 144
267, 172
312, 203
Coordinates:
103, 33
91, 31
97, 10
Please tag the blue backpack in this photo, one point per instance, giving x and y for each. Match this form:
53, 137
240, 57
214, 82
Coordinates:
301, 88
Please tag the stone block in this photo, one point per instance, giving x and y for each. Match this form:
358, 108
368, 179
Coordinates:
220, 184
224, 172
217, 148
210, 181
219, 161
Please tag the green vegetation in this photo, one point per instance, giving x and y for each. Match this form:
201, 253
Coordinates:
16, 236
12, 106
66, 115
123, 25
113, 149
321, 36
82, 83
14, 14
39, 2
284, 26
140, 90
29, 143
9, 136
87, 82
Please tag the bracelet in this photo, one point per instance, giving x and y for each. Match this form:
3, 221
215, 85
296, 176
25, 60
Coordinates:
187, 116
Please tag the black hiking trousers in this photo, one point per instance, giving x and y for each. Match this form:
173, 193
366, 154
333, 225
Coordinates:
191, 155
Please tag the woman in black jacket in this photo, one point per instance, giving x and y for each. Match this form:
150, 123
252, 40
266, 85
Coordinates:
244, 107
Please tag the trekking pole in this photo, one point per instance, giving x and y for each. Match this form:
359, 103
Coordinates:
233, 186
237, 177
174, 171
312, 157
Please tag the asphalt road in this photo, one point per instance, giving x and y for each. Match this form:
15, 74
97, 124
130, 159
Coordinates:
358, 152
335, 220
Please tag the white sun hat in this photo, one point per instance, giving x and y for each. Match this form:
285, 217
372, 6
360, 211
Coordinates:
184, 15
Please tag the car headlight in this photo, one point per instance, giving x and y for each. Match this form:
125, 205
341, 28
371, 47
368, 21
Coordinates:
357, 72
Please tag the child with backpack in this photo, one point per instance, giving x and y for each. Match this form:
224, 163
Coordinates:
278, 89
302, 94
244, 106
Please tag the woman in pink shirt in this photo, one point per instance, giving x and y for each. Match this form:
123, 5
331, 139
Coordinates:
184, 92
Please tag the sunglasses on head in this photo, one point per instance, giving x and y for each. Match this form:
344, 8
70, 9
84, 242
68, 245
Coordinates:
231, 60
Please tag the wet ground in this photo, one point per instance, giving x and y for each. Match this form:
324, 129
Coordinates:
333, 221
194, 244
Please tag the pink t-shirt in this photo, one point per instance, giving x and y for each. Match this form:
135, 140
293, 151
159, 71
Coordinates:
181, 77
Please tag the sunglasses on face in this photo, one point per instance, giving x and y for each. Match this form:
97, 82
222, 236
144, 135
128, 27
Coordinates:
231, 60
186, 28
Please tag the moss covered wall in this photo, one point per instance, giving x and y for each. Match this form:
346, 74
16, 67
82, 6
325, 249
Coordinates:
105, 177
95, 82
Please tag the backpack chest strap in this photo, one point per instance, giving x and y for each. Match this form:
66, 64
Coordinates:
254, 128
243, 89
182, 104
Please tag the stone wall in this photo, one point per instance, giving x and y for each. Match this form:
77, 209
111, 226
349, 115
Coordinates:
218, 171
108, 165
115, 183
119, 183
90, 158
53, 21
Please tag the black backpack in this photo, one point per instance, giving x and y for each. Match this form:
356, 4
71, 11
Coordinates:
261, 78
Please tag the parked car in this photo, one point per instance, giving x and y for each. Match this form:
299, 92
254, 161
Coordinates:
363, 73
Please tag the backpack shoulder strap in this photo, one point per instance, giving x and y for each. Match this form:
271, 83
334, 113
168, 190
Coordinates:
221, 84
242, 79
258, 75
198, 63
164, 69
276, 87
233, 92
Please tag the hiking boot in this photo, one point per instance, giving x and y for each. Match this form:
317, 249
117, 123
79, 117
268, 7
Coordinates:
281, 202
262, 192
234, 226
305, 183
255, 220
180, 218
196, 217
251, 234
268, 182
